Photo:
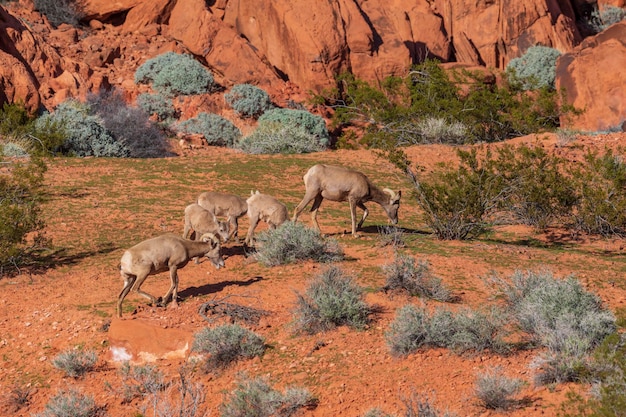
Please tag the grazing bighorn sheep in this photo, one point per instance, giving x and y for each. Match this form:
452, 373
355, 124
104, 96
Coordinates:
162, 253
222, 204
266, 208
199, 221
342, 184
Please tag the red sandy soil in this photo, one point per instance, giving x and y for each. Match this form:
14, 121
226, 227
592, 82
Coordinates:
349, 371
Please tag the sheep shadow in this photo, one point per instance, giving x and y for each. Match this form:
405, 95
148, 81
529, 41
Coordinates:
215, 288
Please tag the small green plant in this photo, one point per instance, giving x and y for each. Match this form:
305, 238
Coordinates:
312, 124
331, 299
248, 100
536, 68
274, 137
19, 397
140, 381
226, 344
292, 242
403, 274
59, 11
175, 74
75, 362
159, 105
71, 403
256, 398
495, 390
216, 130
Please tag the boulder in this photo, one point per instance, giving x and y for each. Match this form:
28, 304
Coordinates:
593, 78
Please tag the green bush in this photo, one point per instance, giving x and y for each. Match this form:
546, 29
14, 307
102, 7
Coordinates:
226, 344
21, 135
291, 242
256, 398
331, 299
466, 330
559, 315
601, 185
86, 135
495, 390
216, 130
129, 126
71, 403
274, 137
59, 11
175, 74
417, 280
75, 362
536, 68
159, 105
248, 100
21, 195
599, 20
314, 125
439, 130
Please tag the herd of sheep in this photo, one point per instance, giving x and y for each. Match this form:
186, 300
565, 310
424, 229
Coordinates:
204, 232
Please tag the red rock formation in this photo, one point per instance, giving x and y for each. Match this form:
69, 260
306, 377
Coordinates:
594, 80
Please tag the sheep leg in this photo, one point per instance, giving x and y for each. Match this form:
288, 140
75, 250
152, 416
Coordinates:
253, 223
305, 202
365, 213
137, 287
129, 280
314, 208
353, 205
234, 227
173, 291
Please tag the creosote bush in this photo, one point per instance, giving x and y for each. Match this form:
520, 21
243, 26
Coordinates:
312, 124
75, 362
292, 242
274, 137
175, 74
403, 274
248, 100
256, 398
495, 390
226, 344
216, 130
331, 299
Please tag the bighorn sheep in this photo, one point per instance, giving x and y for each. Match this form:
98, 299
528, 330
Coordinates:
199, 221
342, 184
222, 204
162, 253
266, 208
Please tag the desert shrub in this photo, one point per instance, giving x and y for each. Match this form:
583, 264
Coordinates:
256, 398
59, 11
417, 280
175, 74
314, 125
71, 403
21, 136
466, 330
159, 105
129, 126
248, 100
495, 390
140, 381
456, 202
560, 315
86, 135
274, 137
439, 130
391, 235
600, 19
331, 299
216, 130
537, 190
13, 148
292, 242
75, 362
415, 405
14, 120
21, 195
536, 67
601, 185
226, 344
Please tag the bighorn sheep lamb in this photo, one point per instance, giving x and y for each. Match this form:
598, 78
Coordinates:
222, 204
266, 208
162, 253
342, 184
199, 221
